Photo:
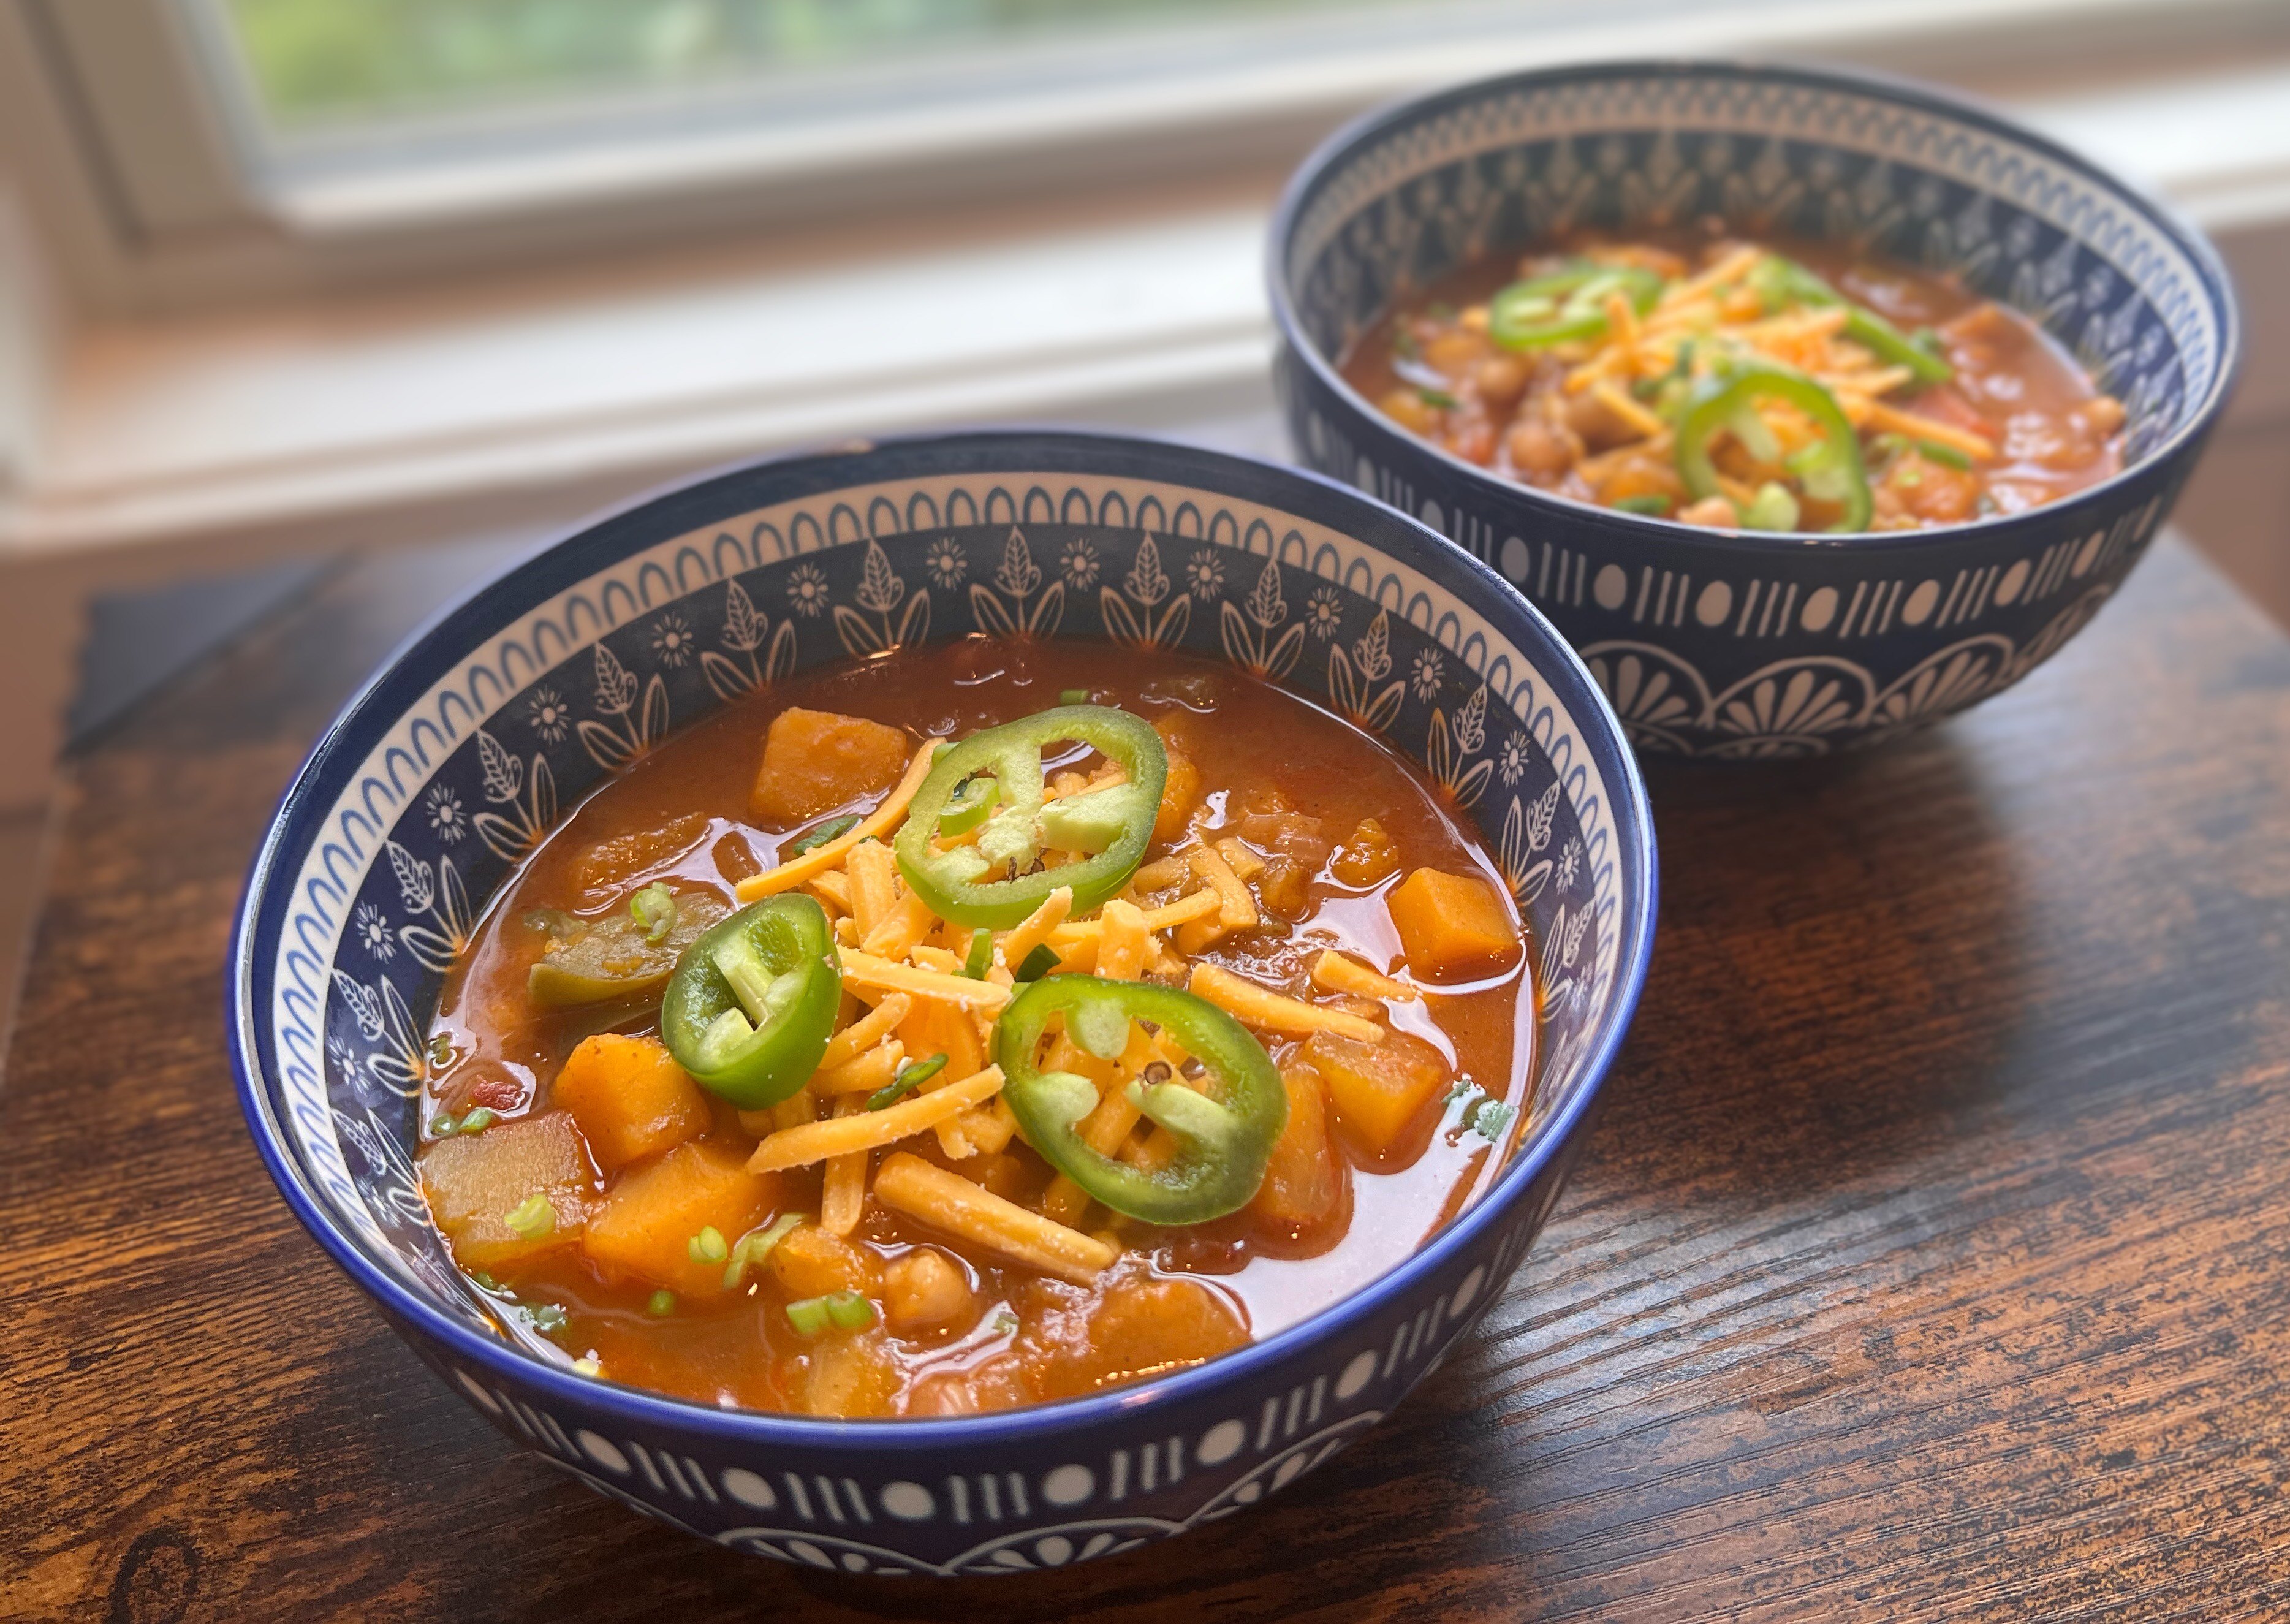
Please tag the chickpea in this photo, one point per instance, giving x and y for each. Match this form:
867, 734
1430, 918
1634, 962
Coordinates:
1501, 380
1596, 422
1542, 450
924, 1290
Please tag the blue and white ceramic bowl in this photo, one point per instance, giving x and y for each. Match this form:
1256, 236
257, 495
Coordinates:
460, 756
1755, 646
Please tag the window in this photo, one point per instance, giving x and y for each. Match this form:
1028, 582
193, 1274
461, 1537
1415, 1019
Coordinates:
233, 145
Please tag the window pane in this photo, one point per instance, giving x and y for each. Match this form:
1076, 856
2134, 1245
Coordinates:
319, 63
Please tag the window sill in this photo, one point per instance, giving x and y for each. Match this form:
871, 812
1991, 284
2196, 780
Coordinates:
392, 417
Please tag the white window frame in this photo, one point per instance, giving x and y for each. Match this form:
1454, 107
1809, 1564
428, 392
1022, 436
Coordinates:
156, 191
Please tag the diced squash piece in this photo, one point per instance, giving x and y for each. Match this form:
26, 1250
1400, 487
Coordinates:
644, 1227
1143, 1324
812, 1261
474, 1181
1303, 1182
1181, 791
851, 1375
815, 761
1378, 1089
1452, 926
612, 864
926, 1292
630, 1098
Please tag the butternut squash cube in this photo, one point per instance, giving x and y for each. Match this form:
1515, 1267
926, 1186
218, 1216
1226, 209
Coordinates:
815, 761
1303, 1181
644, 1228
811, 1262
1452, 926
630, 1098
474, 1181
1181, 791
1380, 1090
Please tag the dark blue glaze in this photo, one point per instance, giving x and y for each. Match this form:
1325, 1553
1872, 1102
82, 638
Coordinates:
489, 724
1749, 645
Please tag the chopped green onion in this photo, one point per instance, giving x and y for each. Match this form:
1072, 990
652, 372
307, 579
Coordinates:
486, 1281
1492, 1117
909, 1078
587, 1367
981, 956
532, 1217
1039, 963
1404, 344
1005, 1323
1933, 452
479, 1120
1650, 503
547, 1319
661, 1304
756, 1245
819, 834
1073, 696
441, 1049
808, 1316
654, 909
850, 1310
443, 1125
1436, 397
708, 1246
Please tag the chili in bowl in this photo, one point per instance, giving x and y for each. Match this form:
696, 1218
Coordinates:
1812, 407
953, 1007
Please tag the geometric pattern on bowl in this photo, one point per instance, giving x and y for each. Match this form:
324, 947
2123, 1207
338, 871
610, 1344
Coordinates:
1749, 645
477, 738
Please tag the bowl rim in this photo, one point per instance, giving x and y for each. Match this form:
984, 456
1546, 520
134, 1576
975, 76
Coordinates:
1357, 133
1565, 675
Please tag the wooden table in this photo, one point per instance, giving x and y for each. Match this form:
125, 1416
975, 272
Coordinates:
1932, 1258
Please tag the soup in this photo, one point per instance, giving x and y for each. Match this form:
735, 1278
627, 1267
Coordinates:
979, 1025
1743, 387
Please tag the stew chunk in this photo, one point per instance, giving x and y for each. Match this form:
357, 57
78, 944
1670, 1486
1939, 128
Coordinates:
1378, 1089
1452, 926
630, 1098
815, 761
1303, 1181
537, 1170
645, 1227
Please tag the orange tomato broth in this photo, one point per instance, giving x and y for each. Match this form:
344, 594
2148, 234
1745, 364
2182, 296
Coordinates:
1527, 416
1269, 766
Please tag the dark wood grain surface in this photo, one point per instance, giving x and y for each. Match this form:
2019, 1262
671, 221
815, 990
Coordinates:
1932, 1258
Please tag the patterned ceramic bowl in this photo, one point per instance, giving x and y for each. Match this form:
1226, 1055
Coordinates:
1756, 645
470, 745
